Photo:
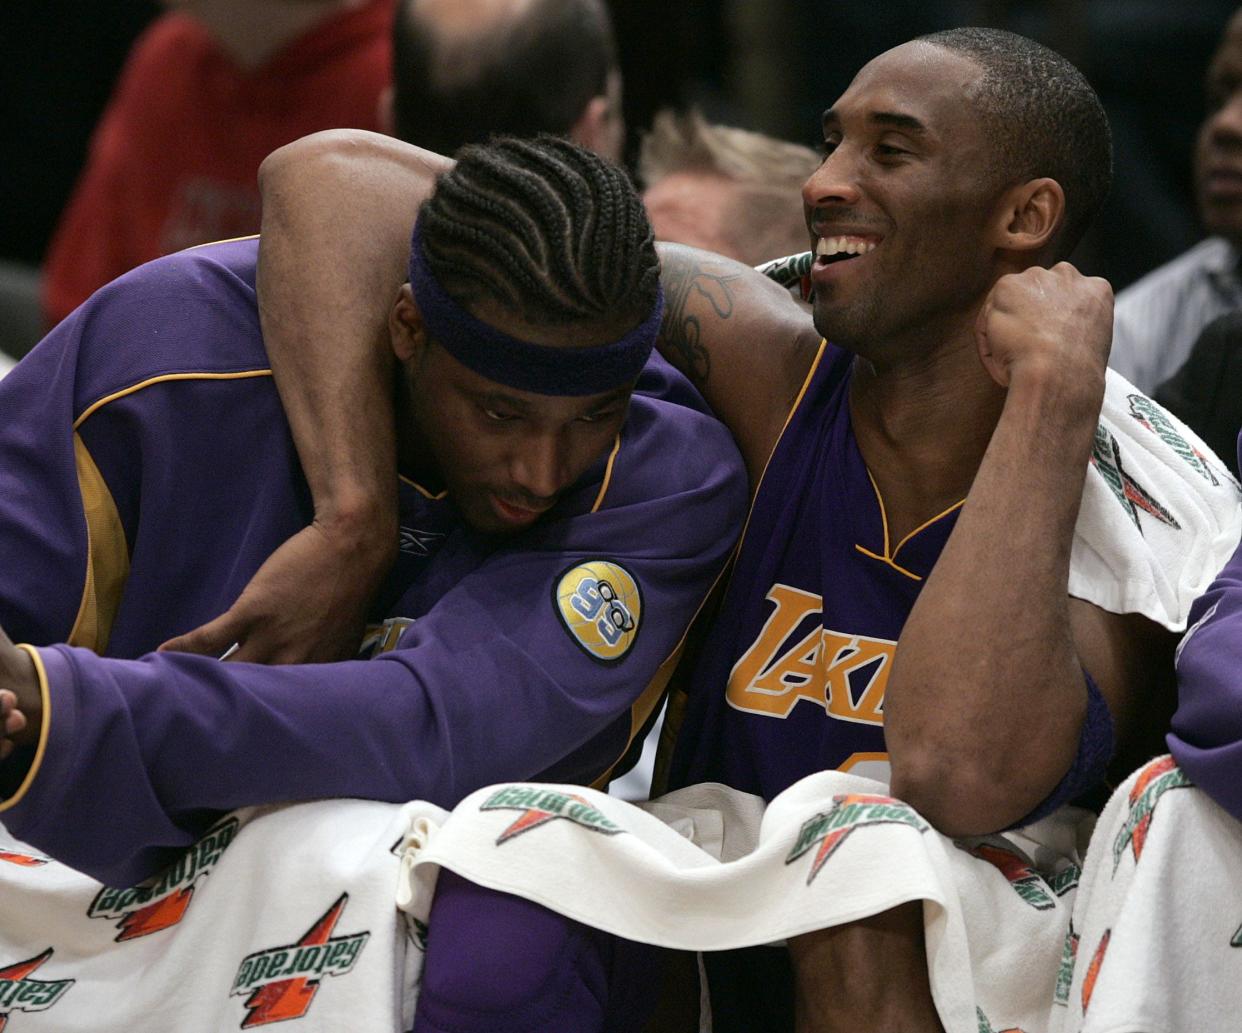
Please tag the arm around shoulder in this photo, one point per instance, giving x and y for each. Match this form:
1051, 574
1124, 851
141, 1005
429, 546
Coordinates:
338, 208
742, 339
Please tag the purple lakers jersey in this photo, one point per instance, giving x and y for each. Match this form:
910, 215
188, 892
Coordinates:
791, 680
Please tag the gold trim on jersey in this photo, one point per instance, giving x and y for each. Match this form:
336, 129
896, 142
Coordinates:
603, 488
107, 556
421, 490
677, 700
162, 378
226, 240
806, 383
643, 707
864, 757
41, 748
890, 556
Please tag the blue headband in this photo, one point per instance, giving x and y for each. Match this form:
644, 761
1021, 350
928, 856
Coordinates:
525, 365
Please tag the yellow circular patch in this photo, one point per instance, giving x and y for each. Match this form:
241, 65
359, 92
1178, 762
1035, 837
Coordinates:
601, 606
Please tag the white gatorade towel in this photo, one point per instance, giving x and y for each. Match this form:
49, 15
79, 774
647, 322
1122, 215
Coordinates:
1160, 512
315, 915
1157, 927
276, 916
709, 869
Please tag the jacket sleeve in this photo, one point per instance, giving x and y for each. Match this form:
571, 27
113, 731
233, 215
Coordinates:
1206, 739
528, 660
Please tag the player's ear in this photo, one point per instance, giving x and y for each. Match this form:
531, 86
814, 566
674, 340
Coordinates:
405, 326
1029, 216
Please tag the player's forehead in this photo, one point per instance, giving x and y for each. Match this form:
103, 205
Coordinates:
919, 86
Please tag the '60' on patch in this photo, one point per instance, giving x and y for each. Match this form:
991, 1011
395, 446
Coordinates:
601, 607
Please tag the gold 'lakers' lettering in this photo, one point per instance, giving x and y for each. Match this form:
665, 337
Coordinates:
845, 674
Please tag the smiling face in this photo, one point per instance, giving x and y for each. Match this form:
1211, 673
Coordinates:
900, 209
504, 455
1218, 150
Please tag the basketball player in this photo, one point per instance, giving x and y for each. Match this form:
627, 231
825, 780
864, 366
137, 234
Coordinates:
555, 537
904, 583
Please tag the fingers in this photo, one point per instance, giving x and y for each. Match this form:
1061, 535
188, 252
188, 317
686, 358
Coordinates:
234, 638
12, 721
211, 639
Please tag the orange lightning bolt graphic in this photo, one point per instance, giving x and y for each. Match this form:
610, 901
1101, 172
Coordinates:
20, 971
25, 860
835, 838
1093, 970
827, 848
533, 818
1149, 775
290, 998
163, 913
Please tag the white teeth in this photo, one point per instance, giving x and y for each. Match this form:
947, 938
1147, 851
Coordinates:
843, 245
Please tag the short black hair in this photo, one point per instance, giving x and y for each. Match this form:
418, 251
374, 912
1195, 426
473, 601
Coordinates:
551, 231
522, 76
1044, 118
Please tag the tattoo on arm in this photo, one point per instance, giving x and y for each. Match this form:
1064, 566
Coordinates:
681, 336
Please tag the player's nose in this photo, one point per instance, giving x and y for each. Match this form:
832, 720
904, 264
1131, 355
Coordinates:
834, 182
540, 468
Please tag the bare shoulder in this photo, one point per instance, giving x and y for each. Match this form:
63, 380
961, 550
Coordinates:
742, 339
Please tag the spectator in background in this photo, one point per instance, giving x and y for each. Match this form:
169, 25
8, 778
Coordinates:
465, 69
1207, 391
208, 91
727, 190
1159, 318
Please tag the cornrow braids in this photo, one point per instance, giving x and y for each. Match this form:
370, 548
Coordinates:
551, 231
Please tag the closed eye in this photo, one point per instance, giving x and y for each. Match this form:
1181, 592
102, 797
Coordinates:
888, 150
496, 416
599, 416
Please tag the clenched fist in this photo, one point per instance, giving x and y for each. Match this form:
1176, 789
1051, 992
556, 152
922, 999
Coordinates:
1055, 324
21, 704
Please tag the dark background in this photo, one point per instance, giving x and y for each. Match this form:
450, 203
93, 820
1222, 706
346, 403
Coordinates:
771, 65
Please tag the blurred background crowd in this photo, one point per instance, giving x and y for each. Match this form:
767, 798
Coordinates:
134, 128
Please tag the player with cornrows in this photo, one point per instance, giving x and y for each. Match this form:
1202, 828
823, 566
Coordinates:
558, 502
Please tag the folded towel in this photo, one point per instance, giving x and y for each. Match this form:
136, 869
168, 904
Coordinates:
716, 870
1160, 512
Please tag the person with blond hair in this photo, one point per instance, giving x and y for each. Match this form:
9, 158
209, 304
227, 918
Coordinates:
724, 189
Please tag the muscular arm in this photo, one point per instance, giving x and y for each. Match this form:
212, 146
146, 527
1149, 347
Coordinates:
742, 339
987, 697
337, 212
